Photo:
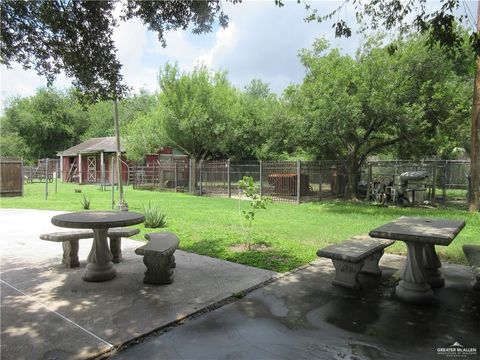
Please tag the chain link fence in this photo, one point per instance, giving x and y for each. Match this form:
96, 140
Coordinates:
305, 181
443, 180
286, 181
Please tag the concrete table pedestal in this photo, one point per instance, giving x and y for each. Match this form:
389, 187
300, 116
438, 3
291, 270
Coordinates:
413, 287
421, 271
100, 266
431, 266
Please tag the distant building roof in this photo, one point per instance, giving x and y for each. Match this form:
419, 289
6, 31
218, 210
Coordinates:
94, 145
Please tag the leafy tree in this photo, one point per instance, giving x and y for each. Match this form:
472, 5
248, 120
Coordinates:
144, 135
440, 26
13, 145
197, 109
249, 129
48, 122
355, 107
100, 122
76, 36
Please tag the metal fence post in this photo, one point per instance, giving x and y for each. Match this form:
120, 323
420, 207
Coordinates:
56, 176
261, 177
229, 189
298, 181
369, 182
46, 179
190, 178
320, 186
434, 183
176, 175
104, 185
200, 175
444, 190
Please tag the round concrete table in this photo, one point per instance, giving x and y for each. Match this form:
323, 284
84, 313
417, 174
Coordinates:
100, 266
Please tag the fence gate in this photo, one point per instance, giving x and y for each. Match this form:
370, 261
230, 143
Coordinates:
11, 176
92, 169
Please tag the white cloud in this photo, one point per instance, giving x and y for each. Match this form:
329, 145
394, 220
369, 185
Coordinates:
225, 42
16, 81
132, 44
261, 41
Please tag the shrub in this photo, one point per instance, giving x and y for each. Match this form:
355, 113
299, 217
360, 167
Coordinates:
154, 218
85, 202
257, 202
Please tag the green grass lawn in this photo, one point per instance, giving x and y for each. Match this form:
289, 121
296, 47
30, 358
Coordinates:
211, 226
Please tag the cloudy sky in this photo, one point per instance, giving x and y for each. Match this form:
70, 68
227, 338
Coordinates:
260, 42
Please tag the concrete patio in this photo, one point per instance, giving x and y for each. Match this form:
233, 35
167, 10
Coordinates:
49, 312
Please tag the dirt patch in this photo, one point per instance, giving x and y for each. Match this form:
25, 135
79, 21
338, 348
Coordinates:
253, 247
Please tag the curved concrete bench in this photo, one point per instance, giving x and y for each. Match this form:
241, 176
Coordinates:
158, 257
472, 253
355, 255
69, 240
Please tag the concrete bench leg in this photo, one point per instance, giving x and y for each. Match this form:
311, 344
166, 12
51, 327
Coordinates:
346, 274
159, 268
116, 248
70, 254
476, 274
371, 264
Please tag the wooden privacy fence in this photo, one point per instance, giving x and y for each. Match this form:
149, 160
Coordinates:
11, 176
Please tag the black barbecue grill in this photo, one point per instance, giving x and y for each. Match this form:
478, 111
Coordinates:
410, 181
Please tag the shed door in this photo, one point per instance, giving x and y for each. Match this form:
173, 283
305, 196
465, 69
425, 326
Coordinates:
92, 168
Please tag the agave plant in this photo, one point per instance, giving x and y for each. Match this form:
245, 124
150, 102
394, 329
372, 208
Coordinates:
85, 201
154, 217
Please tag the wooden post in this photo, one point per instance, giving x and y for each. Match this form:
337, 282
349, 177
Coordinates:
119, 152
298, 181
61, 168
112, 178
102, 170
79, 169
229, 189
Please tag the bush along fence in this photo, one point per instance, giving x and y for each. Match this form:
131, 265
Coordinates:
304, 181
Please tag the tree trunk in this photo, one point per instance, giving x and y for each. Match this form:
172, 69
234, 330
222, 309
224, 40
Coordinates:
475, 140
351, 186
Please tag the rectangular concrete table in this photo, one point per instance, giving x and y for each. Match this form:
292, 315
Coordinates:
421, 270
100, 266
